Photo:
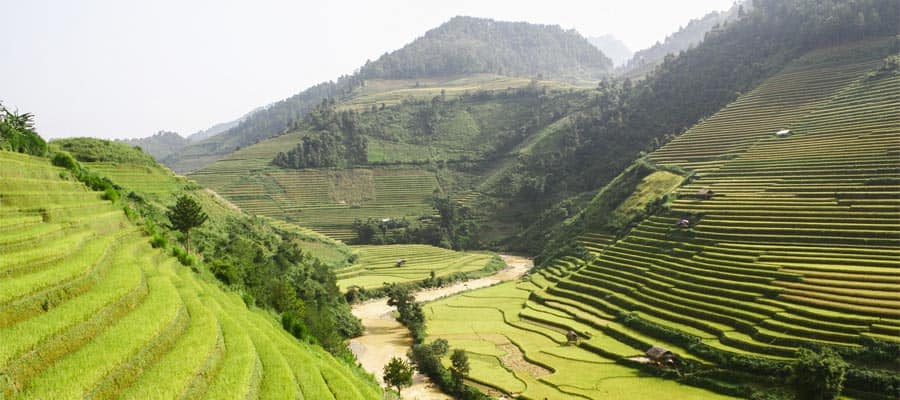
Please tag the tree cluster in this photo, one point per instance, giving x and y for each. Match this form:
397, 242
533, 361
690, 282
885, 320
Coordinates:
466, 45
17, 133
336, 141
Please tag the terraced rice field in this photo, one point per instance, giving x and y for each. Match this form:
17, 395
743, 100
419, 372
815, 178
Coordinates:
89, 309
377, 265
798, 247
393, 91
512, 351
326, 201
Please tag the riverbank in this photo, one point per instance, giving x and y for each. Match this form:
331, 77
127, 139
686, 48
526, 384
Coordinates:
384, 337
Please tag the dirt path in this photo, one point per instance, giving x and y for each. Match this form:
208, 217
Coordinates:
384, 337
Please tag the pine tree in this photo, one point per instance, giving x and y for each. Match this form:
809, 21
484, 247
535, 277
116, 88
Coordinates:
185, 215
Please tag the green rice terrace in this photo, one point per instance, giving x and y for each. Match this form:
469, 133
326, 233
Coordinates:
773, 243
326, 201
493, 211
88, 309
377, 265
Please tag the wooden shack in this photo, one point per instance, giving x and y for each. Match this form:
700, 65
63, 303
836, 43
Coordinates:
705, 194
572, 337
662, 357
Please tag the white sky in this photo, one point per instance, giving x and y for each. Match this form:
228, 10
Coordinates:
128, 68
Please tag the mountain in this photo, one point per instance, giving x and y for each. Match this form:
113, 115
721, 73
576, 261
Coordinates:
220, 127
690, 35
613, 48
467, 45
524, 158
456, 50
160, 145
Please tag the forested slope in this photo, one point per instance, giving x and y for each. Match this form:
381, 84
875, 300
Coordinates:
455, 51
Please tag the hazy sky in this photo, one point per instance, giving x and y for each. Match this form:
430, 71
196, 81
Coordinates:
123, 68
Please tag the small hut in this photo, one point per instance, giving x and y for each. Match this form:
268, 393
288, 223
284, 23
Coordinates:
400, 262
660, 357
683, 223
783, 133
571, 337
705, 193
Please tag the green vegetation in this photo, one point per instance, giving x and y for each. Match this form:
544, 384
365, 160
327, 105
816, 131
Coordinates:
377, 265
92, 310
750, 282
97, 150
185, 215
433, 65
819, 376
644, 61
398, 373
17, 133
467, 45
514, 346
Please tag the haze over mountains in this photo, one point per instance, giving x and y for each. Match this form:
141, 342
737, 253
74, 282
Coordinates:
463, 45
719, 222
613, 48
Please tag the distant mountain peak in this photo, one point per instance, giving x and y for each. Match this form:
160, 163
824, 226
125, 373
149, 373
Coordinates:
467, 45
612, 47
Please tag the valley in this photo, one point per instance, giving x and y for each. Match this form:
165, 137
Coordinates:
491, 211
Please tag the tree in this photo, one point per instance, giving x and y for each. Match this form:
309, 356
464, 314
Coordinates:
460, 364
398, 373
440, 347
185, 215
819, 376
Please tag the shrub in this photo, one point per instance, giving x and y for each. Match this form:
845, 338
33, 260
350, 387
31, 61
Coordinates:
226, 272
65, 160
158, 241
818, 376
183, 257
111, 194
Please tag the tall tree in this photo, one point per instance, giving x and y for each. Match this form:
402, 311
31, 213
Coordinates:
398, 373
460, 365
185, 215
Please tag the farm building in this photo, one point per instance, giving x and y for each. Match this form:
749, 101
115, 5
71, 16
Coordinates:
783, 133
705, 193
662, 357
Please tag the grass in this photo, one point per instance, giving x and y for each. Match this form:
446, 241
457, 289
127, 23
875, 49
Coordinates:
487, 321
377, 265
327, 201
89, 309
69, 379
188, 358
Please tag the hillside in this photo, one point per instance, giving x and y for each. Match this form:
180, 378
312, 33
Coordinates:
462, 55
796, 248
523, 160
613, 48
89, 309
644, 61
160, 145
466, 45
395, 175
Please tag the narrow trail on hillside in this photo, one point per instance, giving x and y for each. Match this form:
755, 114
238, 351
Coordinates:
384, 337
